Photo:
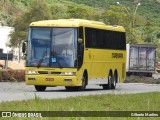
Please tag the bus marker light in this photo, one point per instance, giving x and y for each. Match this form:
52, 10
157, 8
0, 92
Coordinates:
67, 80
31, 78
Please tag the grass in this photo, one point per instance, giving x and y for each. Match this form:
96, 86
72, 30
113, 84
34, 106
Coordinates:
125, 102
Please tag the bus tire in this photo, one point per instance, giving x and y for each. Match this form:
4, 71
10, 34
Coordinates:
113, 86
70, 88
109, 85
114, 80
40, 88
84, 83
110, 79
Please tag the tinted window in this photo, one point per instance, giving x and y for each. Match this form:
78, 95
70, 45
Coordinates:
105, 39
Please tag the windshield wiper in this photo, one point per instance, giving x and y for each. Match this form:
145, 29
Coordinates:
42, 58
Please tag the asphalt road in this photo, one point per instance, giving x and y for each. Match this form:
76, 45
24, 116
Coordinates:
11, 91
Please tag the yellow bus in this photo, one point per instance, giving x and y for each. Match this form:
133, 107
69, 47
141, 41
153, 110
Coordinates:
74, 53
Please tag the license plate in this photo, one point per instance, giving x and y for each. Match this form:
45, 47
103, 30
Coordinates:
49, 79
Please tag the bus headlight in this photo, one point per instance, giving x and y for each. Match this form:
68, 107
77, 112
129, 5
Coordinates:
68, 73
31, 72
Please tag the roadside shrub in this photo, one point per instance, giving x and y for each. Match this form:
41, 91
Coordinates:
0, 75
12, 75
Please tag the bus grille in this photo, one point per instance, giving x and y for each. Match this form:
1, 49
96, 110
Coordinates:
46, 72
42, 72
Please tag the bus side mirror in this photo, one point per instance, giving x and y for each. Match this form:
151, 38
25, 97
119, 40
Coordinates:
24, 46
80, 40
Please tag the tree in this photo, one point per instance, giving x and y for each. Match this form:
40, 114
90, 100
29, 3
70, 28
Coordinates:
59, 10
38, 11
150, 33
83, 12
116, 15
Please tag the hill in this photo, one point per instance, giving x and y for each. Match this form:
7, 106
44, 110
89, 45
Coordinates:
9, 9
147, 14
150, 9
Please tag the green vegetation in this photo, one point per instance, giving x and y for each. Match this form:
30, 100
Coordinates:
12, 75
108, 102
146, 21
38, 11
142, 26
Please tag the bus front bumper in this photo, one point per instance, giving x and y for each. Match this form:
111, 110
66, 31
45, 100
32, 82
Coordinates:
47, 80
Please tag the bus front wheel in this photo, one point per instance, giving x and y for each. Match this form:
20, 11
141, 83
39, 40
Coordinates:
40, 88
84, 83
70, 88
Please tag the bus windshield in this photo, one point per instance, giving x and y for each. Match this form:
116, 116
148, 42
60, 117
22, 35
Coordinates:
52, 47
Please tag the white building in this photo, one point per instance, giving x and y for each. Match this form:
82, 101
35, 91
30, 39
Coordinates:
4, 37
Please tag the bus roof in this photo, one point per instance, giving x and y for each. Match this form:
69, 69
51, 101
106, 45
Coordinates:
77, 23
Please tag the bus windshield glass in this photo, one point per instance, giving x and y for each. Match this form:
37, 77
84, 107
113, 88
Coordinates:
52, 47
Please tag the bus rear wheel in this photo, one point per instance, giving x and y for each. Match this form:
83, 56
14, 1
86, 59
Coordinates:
109, 85
114, 80
40, 88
